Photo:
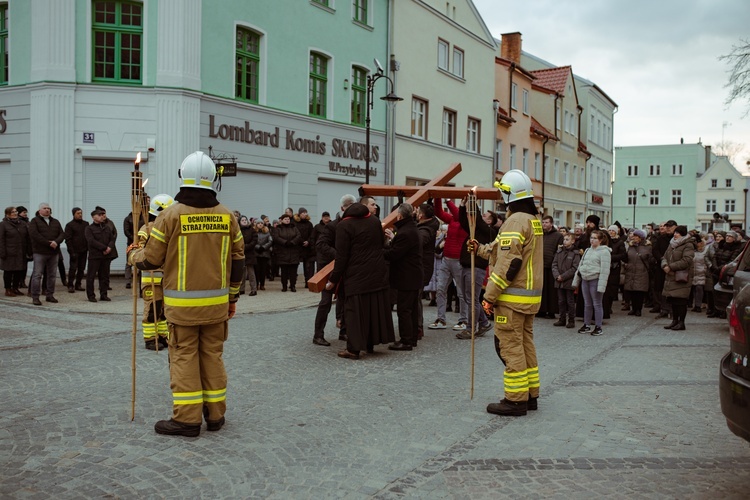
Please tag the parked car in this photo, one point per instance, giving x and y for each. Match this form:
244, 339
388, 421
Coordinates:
734, 372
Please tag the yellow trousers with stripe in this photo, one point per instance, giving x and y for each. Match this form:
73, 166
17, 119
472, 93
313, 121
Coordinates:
196, 371
514, 342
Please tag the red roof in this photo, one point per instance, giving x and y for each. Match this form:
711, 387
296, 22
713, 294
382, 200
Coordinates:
538, 128
503, 116
553, 78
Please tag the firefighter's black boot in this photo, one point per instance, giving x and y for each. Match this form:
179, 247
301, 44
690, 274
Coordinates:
508, 408
173, 428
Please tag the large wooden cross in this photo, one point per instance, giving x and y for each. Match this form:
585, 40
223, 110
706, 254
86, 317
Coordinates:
436, 188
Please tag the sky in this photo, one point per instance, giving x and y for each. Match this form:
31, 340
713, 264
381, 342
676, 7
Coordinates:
657, 59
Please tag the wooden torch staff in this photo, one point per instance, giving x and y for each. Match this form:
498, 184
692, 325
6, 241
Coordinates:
471, 213
135, 204
144, 223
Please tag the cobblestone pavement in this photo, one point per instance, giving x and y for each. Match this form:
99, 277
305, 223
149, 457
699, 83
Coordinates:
633, 413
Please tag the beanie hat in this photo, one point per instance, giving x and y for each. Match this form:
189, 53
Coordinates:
325, 214
613, 228
21, 208
593, 218
640, 233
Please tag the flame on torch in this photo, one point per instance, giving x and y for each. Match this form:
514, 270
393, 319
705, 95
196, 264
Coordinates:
138, 160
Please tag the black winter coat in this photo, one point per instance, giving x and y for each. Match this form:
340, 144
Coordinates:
99, 237
405, 256
482, 233
726, 253
552, 242
325, 243
15, 246
127, 227
75, 236
618, 256
286, 244
42, 233
251, 239
113, 254
427, 235
305, 228
359, 252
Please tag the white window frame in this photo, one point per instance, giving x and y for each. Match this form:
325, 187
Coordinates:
443, 55
711, 206
730, 206
419, 117
677, 169
513, 96
512, 157
677, 197
653, 198
449, 127
537, 165
499, 154
525, 101
632, 170
525, 161
728, 183
458, 62
473, 128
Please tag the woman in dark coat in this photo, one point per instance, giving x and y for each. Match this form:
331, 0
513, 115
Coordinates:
286, 247
638, 262
251, 239
262, 252
678, 257
15, 249
617, 244
360, 264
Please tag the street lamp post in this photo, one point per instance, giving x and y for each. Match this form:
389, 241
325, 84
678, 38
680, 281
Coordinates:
391, 99
635, 202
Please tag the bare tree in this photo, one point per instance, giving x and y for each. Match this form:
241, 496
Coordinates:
730, 149
739, 74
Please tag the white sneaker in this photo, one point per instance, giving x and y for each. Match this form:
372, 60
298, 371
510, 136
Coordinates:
459, 326
439, 324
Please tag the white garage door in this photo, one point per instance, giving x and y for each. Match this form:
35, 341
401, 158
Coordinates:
5, 194
254, 194
106, 183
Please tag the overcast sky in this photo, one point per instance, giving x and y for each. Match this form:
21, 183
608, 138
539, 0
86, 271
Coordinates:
657, 59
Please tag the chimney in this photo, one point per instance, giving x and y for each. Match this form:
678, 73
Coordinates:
510, 48
708, 157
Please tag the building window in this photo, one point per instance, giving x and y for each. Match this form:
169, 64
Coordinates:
558, 117
512, 158
499, 154
728, 183
118, 34
655, 170
525, 102
359, 95
677, 169
537, 172
654, 197
4, 43
472, 135
318, 84
525, 160
632, 170
458, 62
321, 2
556, 172
418, 118
575, 176
513, 99
711, 206
566, 173
729, 206
546, 168
443, 55
566, 127
449, 128
677, 197
248, 64
360, 11
714, 183
632, 193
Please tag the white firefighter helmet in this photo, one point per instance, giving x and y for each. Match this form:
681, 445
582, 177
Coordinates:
159, 203
515, 185
198, 170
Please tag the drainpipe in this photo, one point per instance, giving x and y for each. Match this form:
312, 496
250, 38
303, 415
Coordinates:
544, 168
389, 175
496, 109
510, 89
557, 98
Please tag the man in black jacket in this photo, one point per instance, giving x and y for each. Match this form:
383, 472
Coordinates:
75, 240
307, 253
325, 251
405, 256
483, 234
659, 248
101, 243
427, 225
552, 241
46, 235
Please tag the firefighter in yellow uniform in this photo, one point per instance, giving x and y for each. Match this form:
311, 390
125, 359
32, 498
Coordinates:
514, 293
198, 244
154, 322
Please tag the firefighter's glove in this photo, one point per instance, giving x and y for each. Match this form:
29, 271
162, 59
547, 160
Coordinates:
472, 246
489, 308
